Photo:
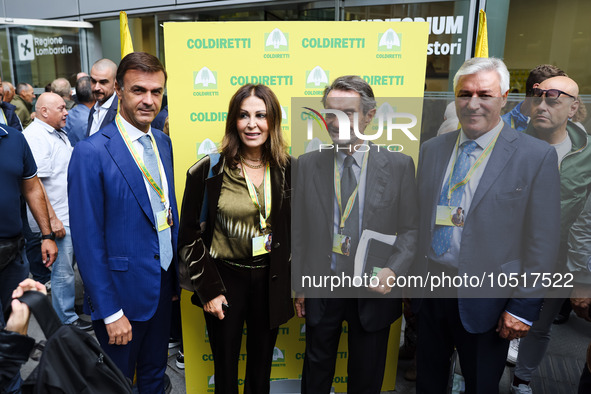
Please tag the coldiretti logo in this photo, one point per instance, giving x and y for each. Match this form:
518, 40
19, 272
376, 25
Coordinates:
333, 43
211, 381
389, 41
205, 79
218, 43
302, 330
316, 78
278, 355
384, 80
205, 148
276, 41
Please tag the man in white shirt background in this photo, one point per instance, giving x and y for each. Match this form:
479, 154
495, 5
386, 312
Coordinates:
52, 151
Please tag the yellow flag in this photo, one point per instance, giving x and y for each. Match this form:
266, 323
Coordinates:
126, 44
482, 38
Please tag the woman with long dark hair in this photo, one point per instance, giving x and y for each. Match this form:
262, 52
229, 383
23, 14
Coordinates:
234, 238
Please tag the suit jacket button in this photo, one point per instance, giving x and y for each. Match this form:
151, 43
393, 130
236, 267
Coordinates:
274, 277
276, 245
156, 257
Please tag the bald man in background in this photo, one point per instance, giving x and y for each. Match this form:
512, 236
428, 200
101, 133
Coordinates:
52, 151
554, 102
102, 80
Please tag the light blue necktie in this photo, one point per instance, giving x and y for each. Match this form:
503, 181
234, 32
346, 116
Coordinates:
151, 164
442, 237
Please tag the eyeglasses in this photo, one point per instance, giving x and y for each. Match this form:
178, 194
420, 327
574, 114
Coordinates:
550, 93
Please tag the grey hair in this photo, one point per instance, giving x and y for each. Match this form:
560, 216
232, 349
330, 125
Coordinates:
62, 87
356, 84
21, 87
478, 64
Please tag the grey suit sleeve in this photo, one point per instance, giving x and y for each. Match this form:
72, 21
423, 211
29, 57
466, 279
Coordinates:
406, 243
579, 246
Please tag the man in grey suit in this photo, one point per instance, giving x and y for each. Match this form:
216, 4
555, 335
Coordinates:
508, 186
377, 192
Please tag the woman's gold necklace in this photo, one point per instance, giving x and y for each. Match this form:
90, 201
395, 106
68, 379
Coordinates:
254, 167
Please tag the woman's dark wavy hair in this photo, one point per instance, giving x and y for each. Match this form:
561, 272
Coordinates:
275, 148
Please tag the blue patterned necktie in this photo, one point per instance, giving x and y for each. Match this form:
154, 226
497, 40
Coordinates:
442, 237
151, 164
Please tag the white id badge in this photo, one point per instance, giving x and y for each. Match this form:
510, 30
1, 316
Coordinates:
341, 244
261, 244
450, 216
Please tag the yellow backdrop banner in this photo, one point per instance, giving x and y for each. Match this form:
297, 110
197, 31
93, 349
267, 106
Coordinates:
208, 61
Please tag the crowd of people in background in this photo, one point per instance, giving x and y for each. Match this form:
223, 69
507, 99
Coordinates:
87, 173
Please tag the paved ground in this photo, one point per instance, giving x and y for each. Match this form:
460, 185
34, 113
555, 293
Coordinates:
558, 374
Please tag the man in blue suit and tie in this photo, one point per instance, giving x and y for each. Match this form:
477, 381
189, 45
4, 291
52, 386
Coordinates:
124, 223
508, 186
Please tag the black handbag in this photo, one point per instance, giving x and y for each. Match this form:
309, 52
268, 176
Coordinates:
72, 361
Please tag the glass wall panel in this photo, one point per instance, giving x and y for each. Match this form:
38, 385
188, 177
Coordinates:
448, 22
41, 54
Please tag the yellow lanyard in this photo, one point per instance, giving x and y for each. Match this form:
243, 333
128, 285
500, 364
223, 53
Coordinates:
267, 195
337, 189
139, 161
476, 164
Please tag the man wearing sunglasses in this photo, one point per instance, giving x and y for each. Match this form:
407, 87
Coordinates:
554, 102
518, 117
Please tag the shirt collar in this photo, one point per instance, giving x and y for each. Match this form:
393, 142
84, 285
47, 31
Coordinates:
357, 155
484, 139
106, 104
133, 132
44, 125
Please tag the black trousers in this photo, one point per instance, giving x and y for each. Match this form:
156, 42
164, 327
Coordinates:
482, 356
366, 358
585, 382
248, 298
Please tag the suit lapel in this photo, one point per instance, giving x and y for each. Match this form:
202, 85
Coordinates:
499, 157
90, 116
124, 161
277, 189
111, 112
166, 159
375, 183
324, 184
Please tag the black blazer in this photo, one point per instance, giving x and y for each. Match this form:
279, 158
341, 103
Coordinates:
109, 117
390, 207
195, 238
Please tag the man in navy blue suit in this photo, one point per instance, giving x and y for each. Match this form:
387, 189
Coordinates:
124, 223
508, 186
